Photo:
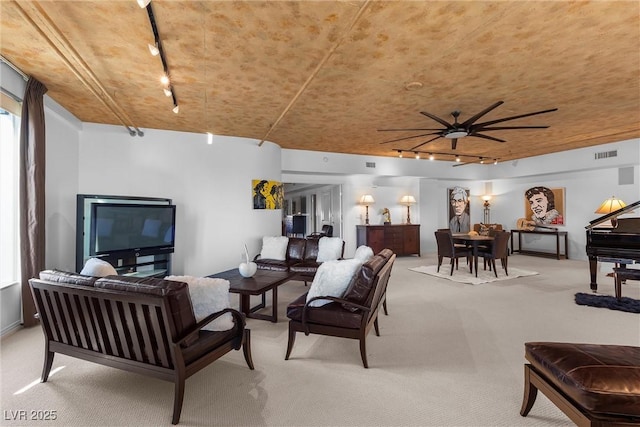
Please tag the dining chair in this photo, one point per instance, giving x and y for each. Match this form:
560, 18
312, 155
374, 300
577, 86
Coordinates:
499, 249
446, 248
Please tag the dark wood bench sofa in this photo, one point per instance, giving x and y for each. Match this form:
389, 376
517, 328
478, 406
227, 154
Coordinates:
142, 325
301, 259
351, 316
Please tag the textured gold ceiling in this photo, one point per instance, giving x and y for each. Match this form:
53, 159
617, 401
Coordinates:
326, 75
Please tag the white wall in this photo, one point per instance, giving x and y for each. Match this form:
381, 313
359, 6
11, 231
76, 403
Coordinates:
210, 184
61, 186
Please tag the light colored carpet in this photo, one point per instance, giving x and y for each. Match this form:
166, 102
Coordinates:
462, 275
449, 354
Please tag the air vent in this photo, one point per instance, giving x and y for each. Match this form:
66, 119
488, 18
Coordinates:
370, 164
606, 154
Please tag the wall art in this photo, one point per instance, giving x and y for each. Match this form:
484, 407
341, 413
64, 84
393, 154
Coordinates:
459, 210
544, 205
267, 194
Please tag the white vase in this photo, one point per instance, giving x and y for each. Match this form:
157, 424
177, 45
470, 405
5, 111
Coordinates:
248, 269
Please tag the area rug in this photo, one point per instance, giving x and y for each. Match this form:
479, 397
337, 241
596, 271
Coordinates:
629, 305
462, 275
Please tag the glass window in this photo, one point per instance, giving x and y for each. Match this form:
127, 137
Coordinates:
9, 201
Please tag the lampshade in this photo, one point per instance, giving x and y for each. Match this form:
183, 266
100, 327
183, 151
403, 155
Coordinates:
367, 199
407, 200
610, 205
486, 197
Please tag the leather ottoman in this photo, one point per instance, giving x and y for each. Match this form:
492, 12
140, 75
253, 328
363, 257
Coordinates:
592, 384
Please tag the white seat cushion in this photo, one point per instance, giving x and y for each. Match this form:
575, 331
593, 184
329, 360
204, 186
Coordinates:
274, 247
332, 280
329, 249
208, 296
98, 268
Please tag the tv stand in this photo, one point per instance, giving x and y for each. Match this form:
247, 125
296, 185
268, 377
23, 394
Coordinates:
141, 266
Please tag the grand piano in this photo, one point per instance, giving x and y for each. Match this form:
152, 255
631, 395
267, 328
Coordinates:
618, 243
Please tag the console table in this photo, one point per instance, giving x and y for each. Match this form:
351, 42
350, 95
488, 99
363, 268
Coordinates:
558, 235
402, 239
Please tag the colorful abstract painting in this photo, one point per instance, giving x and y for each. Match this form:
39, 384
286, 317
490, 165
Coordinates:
267, 194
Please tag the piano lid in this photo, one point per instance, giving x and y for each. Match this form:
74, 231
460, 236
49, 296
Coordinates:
612, 215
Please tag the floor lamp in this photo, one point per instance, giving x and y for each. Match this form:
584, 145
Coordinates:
487, 212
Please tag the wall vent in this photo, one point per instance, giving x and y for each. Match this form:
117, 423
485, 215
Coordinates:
370, 164
606, 154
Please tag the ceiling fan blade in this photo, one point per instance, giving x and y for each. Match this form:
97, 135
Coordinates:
437, 119
477, 135
482, 125
454, 142
420, 145
509, 127
472, 119
410, 137
400, 130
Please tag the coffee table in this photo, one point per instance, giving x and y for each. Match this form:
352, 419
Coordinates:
261, 282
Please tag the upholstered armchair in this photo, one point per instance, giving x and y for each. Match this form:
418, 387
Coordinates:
447, 248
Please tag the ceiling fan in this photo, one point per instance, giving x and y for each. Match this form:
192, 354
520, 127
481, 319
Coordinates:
455, 130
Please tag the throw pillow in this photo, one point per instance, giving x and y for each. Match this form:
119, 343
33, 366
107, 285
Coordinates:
363, 253
208, 296
274, 247
332, 279
329, 249
98, 268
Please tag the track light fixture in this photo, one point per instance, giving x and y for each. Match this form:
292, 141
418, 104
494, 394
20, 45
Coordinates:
457, 157
153, 48
156, 50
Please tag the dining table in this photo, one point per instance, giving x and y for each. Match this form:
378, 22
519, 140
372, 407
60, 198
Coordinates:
475, 241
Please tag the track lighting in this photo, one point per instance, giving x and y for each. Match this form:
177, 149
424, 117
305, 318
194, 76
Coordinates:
431, 155
156, 49
209, 138
153, 48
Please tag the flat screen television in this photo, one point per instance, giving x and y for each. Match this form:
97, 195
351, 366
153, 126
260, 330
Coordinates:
139, 229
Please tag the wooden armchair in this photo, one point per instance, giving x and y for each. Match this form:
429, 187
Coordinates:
351, 316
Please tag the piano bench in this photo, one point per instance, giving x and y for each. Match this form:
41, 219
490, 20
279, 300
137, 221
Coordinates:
621, 274
594, 385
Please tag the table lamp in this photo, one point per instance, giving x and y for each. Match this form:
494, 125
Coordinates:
367, 200
611, 205
408, 200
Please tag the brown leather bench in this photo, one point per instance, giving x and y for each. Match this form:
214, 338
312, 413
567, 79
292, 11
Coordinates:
594, 385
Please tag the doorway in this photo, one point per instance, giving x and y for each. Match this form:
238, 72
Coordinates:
322, 205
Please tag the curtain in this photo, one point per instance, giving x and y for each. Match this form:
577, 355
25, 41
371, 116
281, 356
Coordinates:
32, 200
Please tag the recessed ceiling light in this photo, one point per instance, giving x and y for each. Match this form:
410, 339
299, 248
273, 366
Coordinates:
413, 86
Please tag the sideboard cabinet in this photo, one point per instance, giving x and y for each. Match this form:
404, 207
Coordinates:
402, 239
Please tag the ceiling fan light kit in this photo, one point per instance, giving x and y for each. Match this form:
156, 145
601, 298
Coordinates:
469, 128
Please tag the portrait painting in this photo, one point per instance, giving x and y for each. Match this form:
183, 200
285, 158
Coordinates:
459, 213
267, 194
544, 205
